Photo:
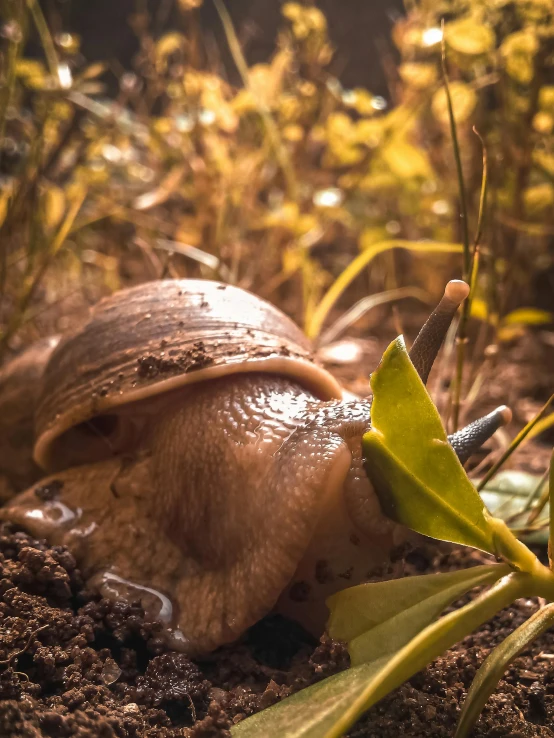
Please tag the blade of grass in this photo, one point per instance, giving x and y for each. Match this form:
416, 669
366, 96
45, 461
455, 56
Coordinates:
462, 337
328, 709
363, 306
515, 443
482, 199
19, 313
16, 41
428, 645
13, 32
313, 328
541, 426
272, 131
543, 499
496, 663
551, 518
192, 252
45, 37
458, 159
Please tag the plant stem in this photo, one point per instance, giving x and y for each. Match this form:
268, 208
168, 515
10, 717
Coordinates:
516, 553
541, 583
462, 338
533, 496
458, 159
29, 290
272, 131
543, 499
45, 37
15, 44
512, 550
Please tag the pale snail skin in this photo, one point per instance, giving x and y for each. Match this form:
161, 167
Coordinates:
224, 496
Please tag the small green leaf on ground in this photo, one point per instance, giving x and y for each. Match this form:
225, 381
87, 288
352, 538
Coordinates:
379, 618
496, 663
416, 474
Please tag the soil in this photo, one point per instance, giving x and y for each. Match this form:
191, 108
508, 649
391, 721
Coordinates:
75, 665
72, 664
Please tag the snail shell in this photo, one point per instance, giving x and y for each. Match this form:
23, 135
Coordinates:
157, 337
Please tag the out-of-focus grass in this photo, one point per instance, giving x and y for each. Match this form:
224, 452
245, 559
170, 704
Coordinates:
180, 175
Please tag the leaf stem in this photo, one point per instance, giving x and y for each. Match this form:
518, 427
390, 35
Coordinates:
511, 549
516, 553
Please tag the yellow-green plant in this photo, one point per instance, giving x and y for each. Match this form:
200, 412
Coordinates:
182, 173
394, 628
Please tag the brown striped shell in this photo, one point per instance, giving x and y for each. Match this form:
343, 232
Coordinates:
161, 335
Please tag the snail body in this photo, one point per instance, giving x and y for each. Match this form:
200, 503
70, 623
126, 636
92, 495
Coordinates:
204, 463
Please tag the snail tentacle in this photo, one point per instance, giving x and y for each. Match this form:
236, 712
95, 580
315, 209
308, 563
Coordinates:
429, 339
468, 440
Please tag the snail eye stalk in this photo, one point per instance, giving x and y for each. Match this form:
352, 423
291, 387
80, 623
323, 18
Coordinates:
468, 440
429, 339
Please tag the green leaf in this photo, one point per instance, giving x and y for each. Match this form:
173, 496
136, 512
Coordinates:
429, 644
468, 36
528, 316
405, 160
329, 708
314, 711
370, 250
464, 101
419, 75
379, 618
495, 665
518, 50
416, 474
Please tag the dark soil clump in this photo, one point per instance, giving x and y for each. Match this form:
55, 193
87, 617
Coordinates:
74, 665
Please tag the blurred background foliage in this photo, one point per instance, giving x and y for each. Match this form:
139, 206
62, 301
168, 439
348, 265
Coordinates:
278, 183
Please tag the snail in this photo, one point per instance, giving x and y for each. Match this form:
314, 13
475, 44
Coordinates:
202, 461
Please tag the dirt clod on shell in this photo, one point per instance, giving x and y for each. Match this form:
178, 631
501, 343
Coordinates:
74, 665
195, 358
